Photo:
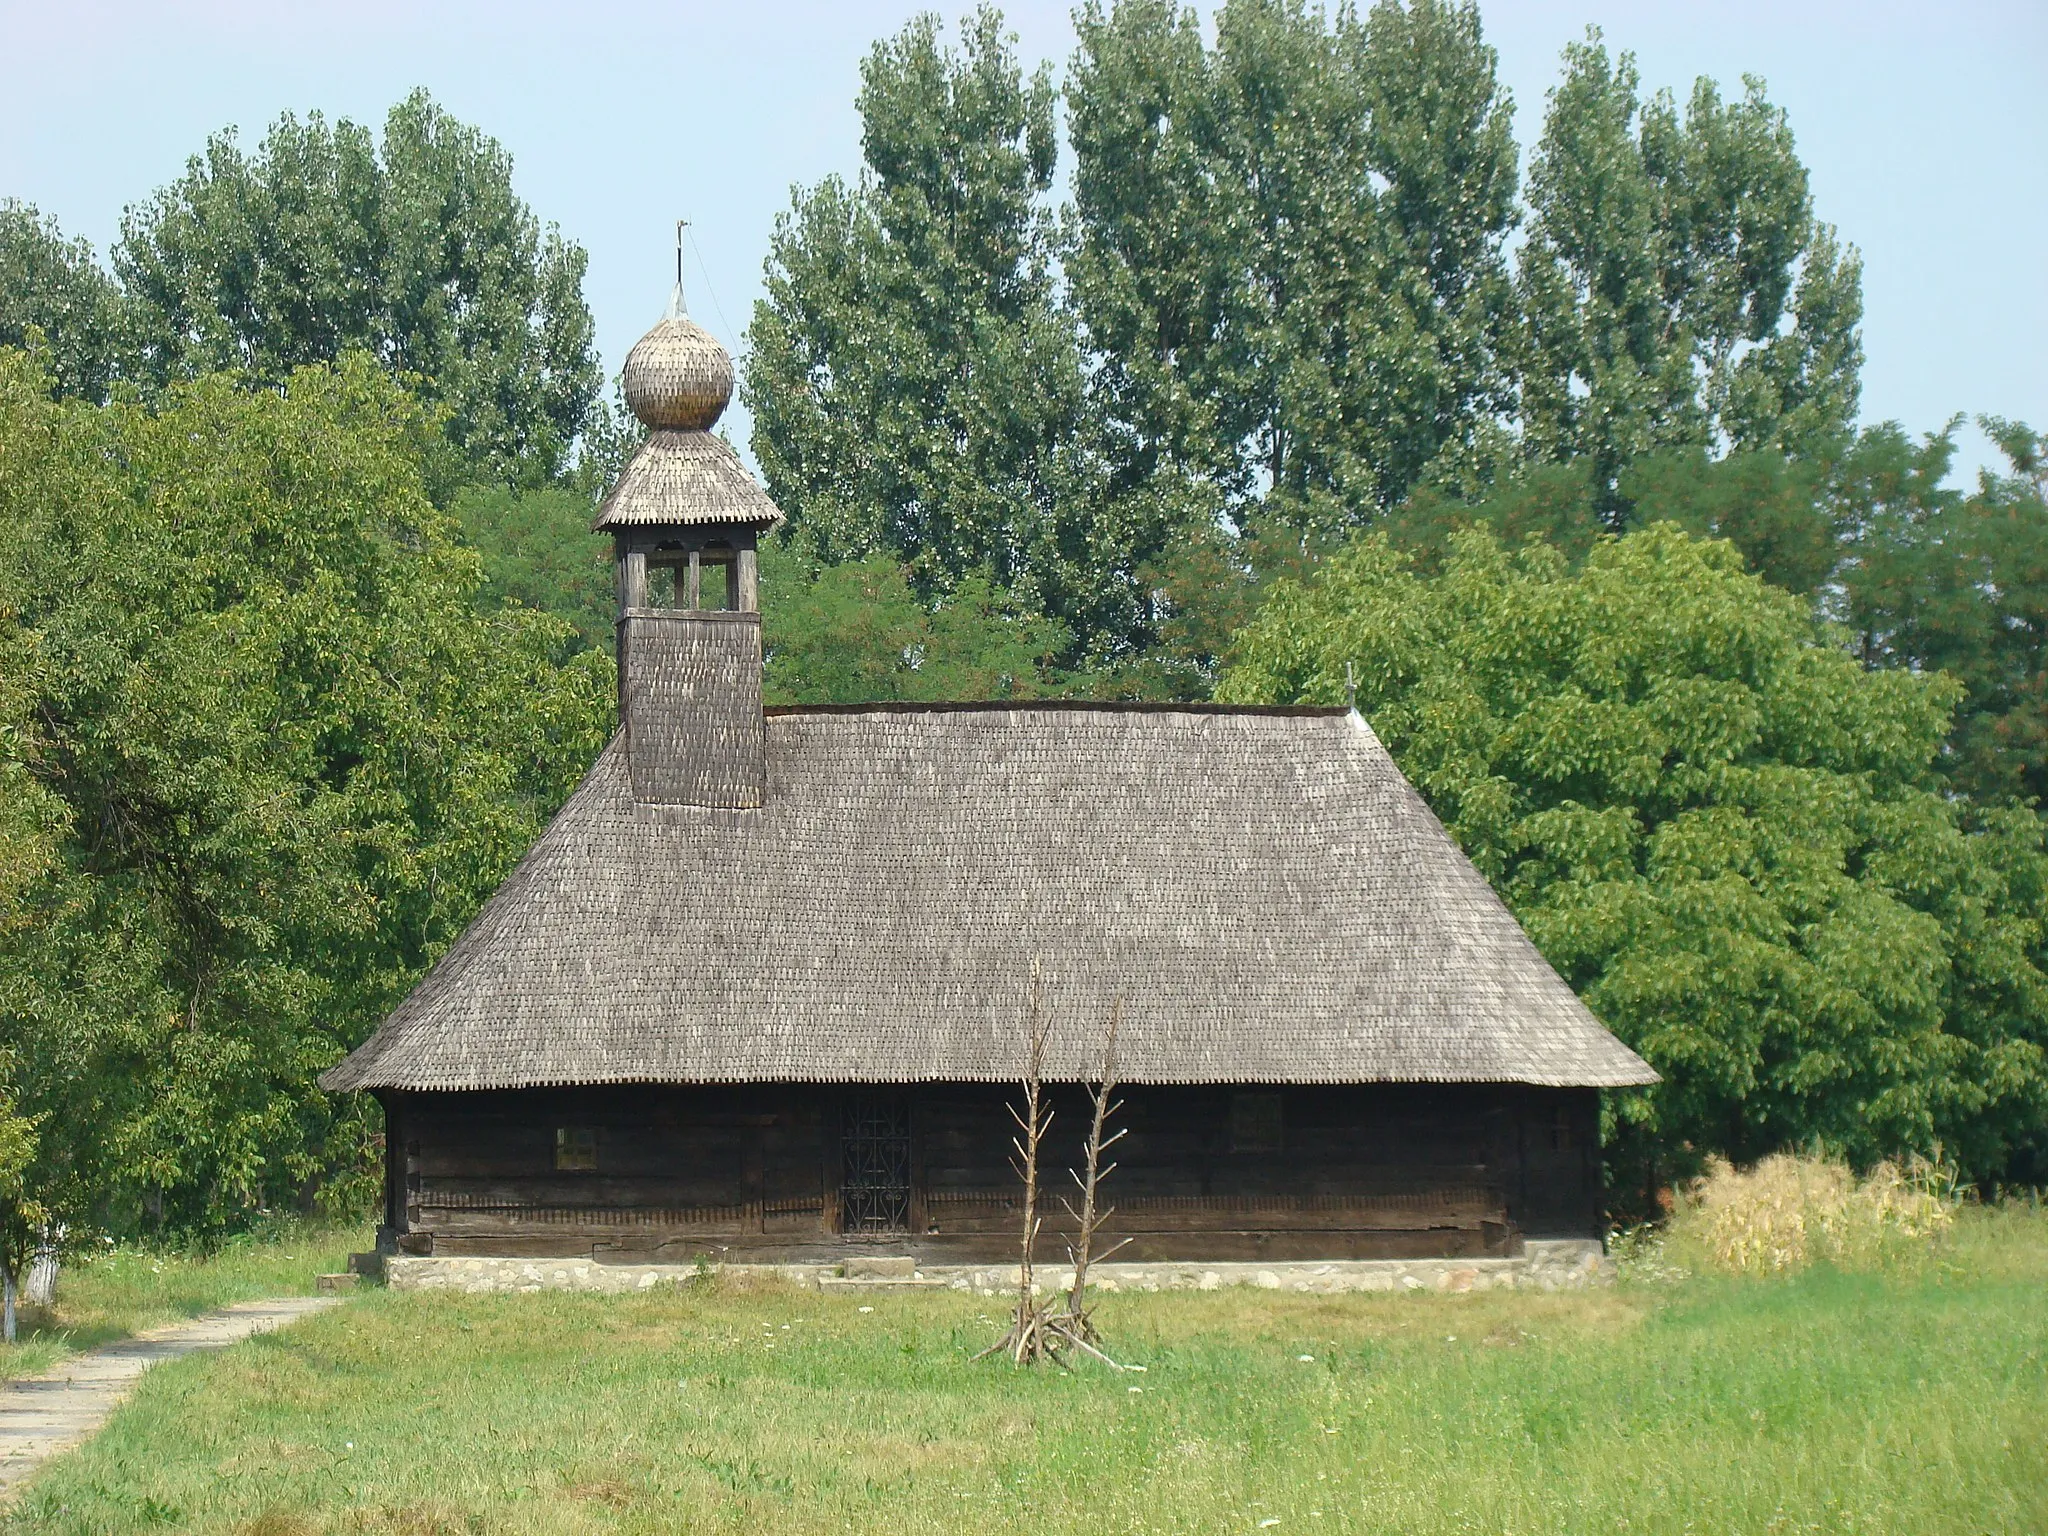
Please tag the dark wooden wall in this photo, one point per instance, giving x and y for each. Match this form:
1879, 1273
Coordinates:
754, 1172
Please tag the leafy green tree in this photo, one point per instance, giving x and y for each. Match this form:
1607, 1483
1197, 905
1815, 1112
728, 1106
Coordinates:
1722, 830
538, 552
1925, 577
1287, 248
1938, 578
275, 759
1783, 514
1151, 261
54, 287
416, 250
857, 632
917, 393
1676, 290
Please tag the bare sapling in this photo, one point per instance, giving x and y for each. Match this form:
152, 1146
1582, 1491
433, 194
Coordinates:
1093, 1213
1037, 1330
1026, 1342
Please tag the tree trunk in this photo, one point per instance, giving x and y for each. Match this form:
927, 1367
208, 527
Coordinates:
7, 1295
40, 1288
1091, 1213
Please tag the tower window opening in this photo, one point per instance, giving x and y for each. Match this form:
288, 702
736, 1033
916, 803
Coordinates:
714, 582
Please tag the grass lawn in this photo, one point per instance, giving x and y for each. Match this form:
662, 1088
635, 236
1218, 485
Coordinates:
127, 1290
1825, 1402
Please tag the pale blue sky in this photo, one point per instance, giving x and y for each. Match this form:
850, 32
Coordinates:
1925, 126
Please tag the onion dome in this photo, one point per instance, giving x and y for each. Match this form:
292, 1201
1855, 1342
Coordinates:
677, 377
678, 381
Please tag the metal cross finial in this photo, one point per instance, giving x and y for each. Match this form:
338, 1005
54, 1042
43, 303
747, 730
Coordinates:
681, 225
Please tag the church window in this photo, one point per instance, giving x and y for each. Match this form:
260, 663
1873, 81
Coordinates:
1561, 1132
576, 1149
1255, 1124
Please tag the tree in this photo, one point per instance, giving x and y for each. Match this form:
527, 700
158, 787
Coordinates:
416, 250
21, 1215
1287, 249
538, 552
917, 393
856, 632
1923, 576
1936, 578
1727, 835
275, 759
53, 288
1675, 289
1150, 260
1783, 514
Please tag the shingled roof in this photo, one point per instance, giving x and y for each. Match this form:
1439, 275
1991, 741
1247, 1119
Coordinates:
1264, 889
682, 480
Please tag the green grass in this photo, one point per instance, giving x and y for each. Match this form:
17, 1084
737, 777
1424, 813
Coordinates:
1822, 1402
126, 1290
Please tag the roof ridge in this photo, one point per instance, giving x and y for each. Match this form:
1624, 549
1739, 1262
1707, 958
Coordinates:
1068, 706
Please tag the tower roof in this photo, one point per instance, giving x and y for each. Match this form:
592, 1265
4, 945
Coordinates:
678, 381
686, 479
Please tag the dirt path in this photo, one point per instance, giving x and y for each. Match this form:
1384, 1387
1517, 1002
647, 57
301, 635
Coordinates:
56, 1409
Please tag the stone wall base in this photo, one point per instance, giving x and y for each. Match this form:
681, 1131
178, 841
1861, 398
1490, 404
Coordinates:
1566, 1264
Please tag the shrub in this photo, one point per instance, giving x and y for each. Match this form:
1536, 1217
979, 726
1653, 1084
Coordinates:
1788, 1212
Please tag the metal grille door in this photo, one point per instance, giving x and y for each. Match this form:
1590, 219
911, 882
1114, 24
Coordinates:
875, 1190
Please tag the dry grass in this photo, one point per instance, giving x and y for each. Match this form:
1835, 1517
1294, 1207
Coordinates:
1789, 1212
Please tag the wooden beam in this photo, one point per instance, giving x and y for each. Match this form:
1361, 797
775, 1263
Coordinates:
749, 583
632, 579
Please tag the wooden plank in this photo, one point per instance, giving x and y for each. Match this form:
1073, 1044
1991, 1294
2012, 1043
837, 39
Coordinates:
749, 582
632, 576
771, 1153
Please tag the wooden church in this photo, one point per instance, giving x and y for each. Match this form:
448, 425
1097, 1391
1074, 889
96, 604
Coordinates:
758, 992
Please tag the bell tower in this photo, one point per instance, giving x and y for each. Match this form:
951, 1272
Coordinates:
686, 519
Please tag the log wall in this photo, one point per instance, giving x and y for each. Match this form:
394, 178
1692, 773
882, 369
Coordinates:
756, 1172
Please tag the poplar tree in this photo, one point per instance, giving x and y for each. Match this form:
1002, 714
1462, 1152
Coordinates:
1676, 290
916, 390
414, 248
54, 294
1287, 248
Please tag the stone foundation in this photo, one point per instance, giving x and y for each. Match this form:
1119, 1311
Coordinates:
1545, 1266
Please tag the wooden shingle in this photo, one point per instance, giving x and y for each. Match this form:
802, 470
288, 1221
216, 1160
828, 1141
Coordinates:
1269, 895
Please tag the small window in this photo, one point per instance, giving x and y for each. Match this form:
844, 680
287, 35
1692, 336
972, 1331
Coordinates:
1255, 1122
661, 587
576, 1149
1561, 1132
